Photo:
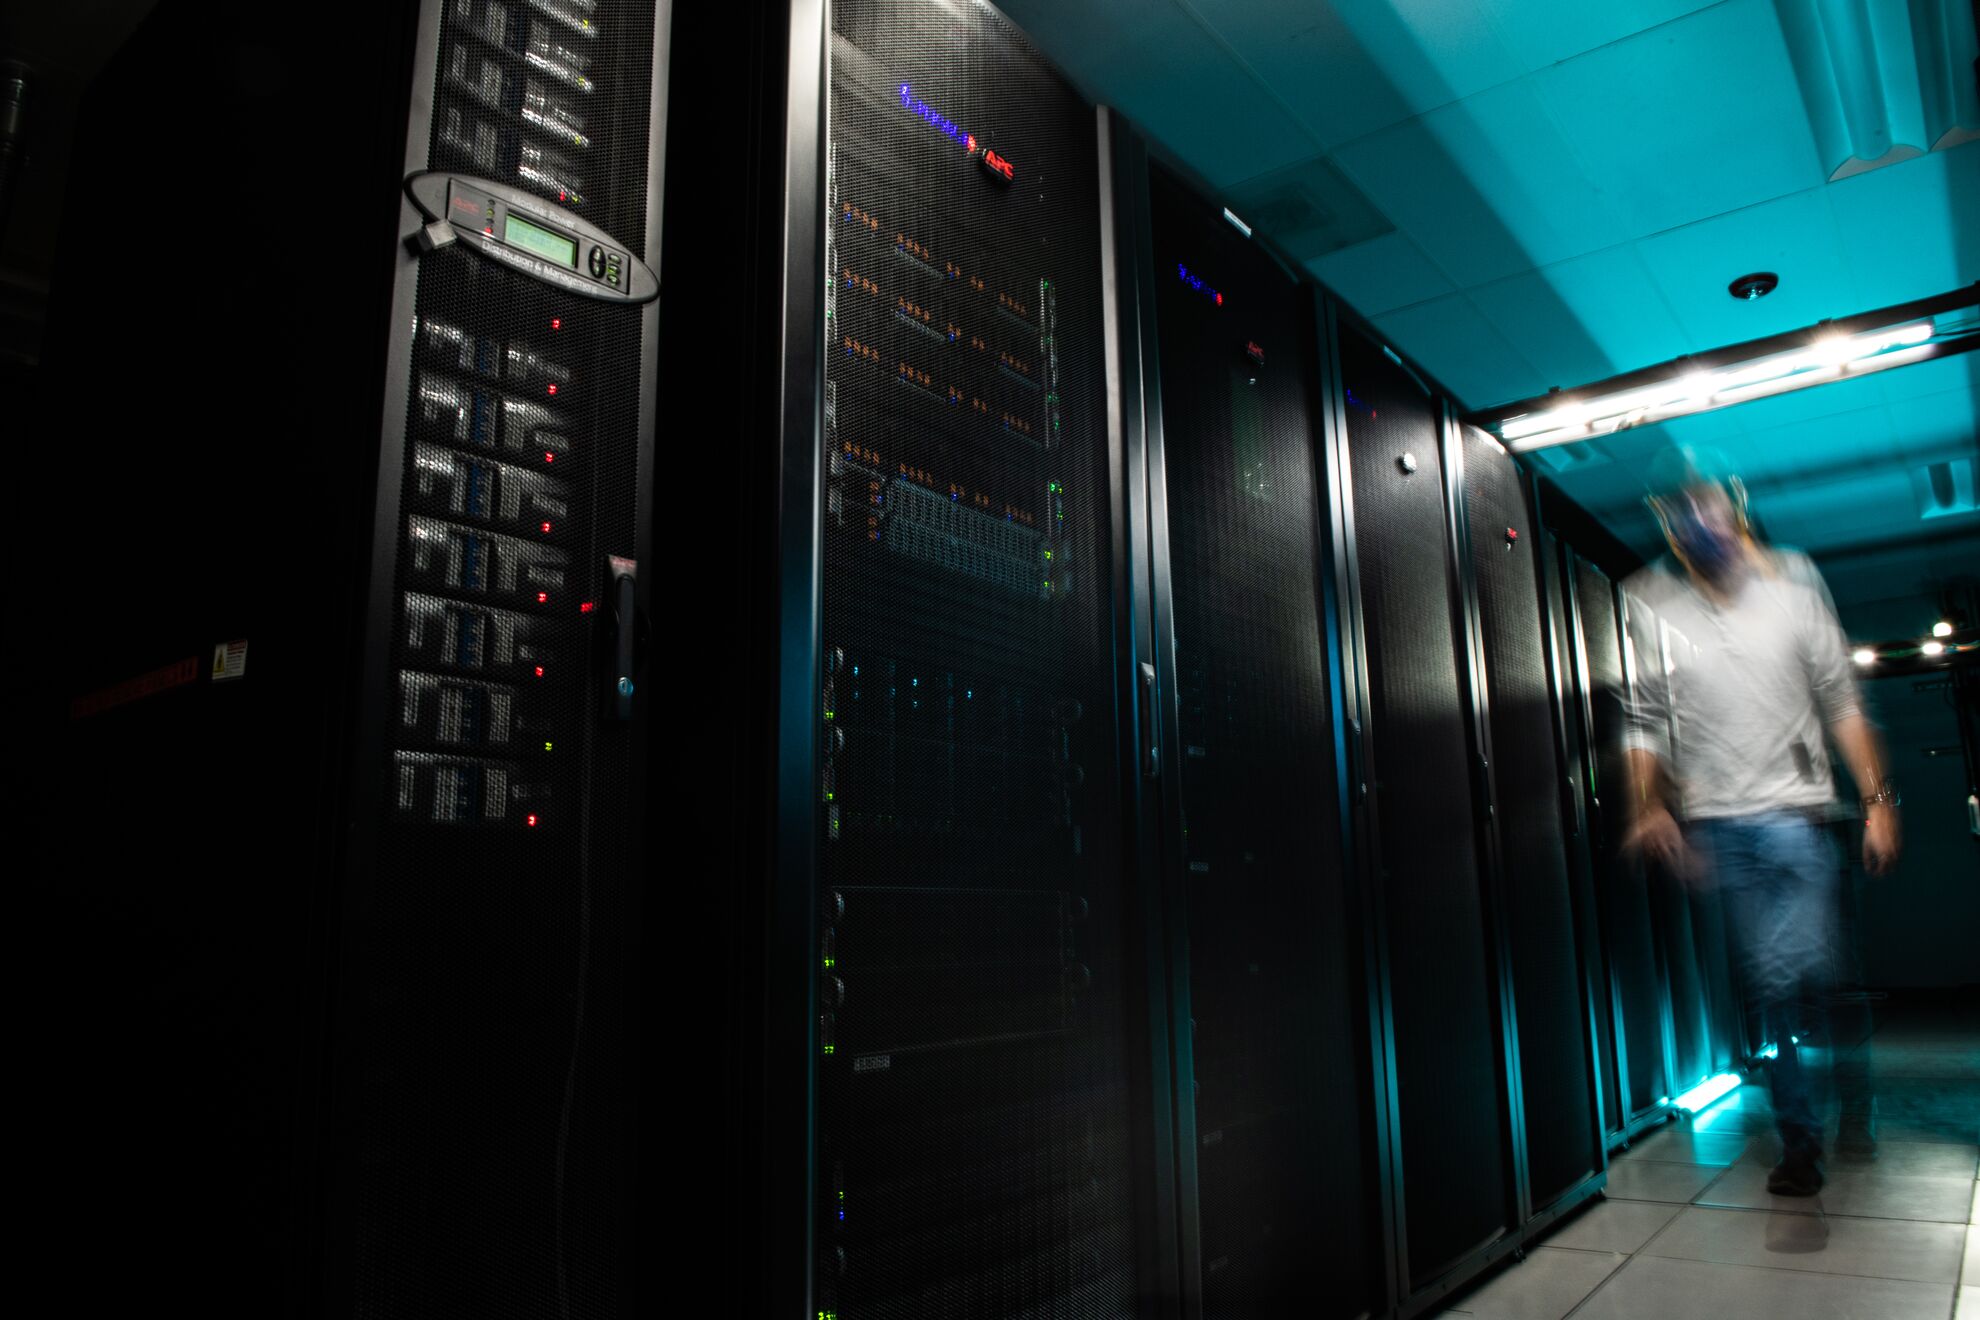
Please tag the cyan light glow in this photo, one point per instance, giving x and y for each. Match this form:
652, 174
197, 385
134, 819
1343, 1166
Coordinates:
1770, 1051
1703, 1094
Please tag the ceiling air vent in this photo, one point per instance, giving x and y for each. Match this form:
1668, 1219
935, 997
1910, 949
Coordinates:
1944, 488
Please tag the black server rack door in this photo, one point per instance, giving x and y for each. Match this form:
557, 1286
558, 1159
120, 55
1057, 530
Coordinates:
1628, 924
1550, 1005
491, 1009
972, 1116
1277, 1001
1449, 1066
1584, 851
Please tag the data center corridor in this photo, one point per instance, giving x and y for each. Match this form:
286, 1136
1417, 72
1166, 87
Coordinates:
1689, 1232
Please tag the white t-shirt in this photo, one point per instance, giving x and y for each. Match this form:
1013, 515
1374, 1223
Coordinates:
1735, 698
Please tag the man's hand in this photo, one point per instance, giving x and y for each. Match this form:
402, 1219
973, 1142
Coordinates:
1656, 835
1883, 839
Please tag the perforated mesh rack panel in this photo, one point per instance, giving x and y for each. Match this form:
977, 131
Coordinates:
1582, 856
1448, 1066
493, 1028
1629, 932
1548, 990
1277, 1000
971, 1126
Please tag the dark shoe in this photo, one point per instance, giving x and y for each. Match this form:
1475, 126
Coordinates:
1798, 1174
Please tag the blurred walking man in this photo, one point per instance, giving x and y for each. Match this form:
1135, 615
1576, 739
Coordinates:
1731, 743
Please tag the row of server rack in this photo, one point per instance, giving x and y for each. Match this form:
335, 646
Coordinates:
829, 696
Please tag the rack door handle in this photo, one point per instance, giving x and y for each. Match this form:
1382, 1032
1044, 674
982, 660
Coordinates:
1151, 756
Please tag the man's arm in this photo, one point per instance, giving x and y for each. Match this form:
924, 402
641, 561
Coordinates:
1833, 684
1882, 836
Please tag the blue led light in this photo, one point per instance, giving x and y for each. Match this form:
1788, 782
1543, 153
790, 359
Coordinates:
910, 101
1195, 281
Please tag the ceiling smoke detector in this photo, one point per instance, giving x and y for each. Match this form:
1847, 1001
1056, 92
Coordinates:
1757, 285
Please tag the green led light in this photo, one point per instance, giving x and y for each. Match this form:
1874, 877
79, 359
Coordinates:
829, 714
830, 1048
828, 797
549, 747
1048, 554
831, 962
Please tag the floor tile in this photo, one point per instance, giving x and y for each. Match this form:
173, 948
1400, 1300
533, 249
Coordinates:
1833, 1244
1654, 1180
1681, 1143
1849, 1192
1972, 1270
1969, 1304
1545, 1286
1614, 1225
1654, 1288
1910, 1159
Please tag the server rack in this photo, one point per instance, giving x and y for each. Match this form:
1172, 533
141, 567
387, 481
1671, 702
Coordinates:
1557, 1103
485, 1019
1580, 812
1277, 1136
975, 942
1456, 1192
1639, 1014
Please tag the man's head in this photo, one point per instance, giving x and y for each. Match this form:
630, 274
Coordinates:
1701, 504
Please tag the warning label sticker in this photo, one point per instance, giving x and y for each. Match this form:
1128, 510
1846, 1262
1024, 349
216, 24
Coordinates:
229, 660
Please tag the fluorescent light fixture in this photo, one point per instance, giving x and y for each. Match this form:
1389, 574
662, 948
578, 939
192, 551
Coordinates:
1933, 648
1854, 346
1707, 1091
1943, 628
1242, 227
1863, 655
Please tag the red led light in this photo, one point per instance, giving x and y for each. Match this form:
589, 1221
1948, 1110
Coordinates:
585, 608
542, 598
549, 457
539, 671
553, 387
546, 529
556, 323
1220, 299
530, 819
970, 142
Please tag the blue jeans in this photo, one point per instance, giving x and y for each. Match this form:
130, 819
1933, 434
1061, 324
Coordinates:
1781, 880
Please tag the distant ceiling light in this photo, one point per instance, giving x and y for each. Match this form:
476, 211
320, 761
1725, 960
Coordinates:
1942, 628
1241, 226
1757, 285
1933, 648
1864, 656
1851, 346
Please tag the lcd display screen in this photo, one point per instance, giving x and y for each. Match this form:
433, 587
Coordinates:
543, 242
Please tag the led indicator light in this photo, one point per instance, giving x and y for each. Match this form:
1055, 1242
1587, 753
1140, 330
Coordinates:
549, 747
530, 820
556, 323
542, 598
586, 608
539, 671
546, 529
552, 387
549, 457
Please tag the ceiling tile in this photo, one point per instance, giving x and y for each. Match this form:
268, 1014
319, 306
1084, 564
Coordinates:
1462, 349
1309, 56
1174, 80
1912, 230
1826, 446
1692, 118
1582, 319
1792, 237
1543, 32
1932, 423
1486, 187
1381, 275
1960, 372
1867, 507
1354, 66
